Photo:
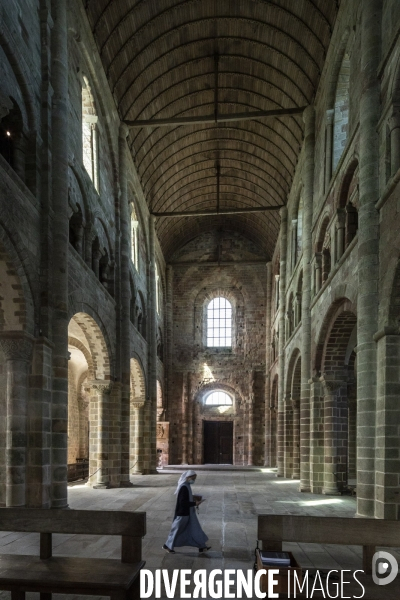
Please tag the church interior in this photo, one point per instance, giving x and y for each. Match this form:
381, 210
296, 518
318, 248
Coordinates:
200, 260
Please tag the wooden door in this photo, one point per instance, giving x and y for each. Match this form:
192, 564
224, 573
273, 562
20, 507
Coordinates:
218, 442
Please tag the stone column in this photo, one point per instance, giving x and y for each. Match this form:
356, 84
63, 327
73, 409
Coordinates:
394, 124
137, 467
332, 456
288, 456
190, 414
318, 271
169, 339
387, 499
282, 305
124, 306
330, 114
96, 256
268, 342
316, 437
368, 255
184, 421
102, 390
60, 230
251, 419
308, 195
152, 349
341, 223
17, 347
296, 437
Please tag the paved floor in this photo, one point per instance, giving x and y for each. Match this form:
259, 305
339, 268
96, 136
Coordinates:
229, 517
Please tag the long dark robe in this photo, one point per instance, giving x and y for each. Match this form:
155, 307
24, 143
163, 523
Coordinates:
186, 529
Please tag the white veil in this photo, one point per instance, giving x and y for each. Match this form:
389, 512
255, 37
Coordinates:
183, 478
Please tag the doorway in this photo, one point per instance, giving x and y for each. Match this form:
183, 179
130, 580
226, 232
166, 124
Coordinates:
218, 442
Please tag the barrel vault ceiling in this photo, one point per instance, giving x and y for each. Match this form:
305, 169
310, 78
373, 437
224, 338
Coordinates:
161, 58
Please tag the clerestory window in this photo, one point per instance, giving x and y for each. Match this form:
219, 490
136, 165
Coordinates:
90, 151
134, 237
218, 398
219, 323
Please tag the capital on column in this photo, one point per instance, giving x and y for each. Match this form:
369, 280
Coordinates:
101, 386
17, 345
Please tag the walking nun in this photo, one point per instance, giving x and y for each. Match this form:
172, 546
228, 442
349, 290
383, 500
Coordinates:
186, 529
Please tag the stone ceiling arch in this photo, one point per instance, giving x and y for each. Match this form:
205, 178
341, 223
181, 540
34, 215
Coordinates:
159, 59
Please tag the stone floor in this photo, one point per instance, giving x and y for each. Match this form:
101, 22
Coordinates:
229, 517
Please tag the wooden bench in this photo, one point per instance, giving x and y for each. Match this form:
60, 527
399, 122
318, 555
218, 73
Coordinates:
273, 530
49, 574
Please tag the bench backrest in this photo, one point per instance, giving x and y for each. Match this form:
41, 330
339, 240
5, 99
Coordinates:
131, 526
328, 530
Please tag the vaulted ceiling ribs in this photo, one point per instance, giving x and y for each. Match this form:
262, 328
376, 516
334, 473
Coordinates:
160, 60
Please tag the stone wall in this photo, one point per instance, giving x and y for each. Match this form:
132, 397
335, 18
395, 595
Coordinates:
198, 369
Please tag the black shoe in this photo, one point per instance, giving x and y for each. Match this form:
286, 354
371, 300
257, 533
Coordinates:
165, 547
205, 549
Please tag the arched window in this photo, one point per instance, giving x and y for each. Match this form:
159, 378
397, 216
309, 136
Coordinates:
341, 111
134, 237
90, 152
219, 323
218, 398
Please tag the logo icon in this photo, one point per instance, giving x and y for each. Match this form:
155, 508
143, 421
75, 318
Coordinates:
384, 568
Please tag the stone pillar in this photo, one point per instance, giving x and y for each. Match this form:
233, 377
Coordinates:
60, 231
330, 114
341, 223
268, 342
318, 271
296, 438
137, 467
39, 425
282, 304
152, 346
17, 347
184, 421
316, 437
190, 415
387, 500
102, 390
169, 338
308, 195
368, 255
332, 459
124, 306
251, 419
96, 256
394, 124
288, 456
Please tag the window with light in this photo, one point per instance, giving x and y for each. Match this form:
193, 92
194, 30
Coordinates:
219, 323
134, 238
90, 152
219, 398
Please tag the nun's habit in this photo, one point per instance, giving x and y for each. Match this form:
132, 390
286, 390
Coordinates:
185, 529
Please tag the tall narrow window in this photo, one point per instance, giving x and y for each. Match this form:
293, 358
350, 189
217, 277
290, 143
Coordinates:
299, 233
157, 290
134, 237
90, 153
219, 323
341, 114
